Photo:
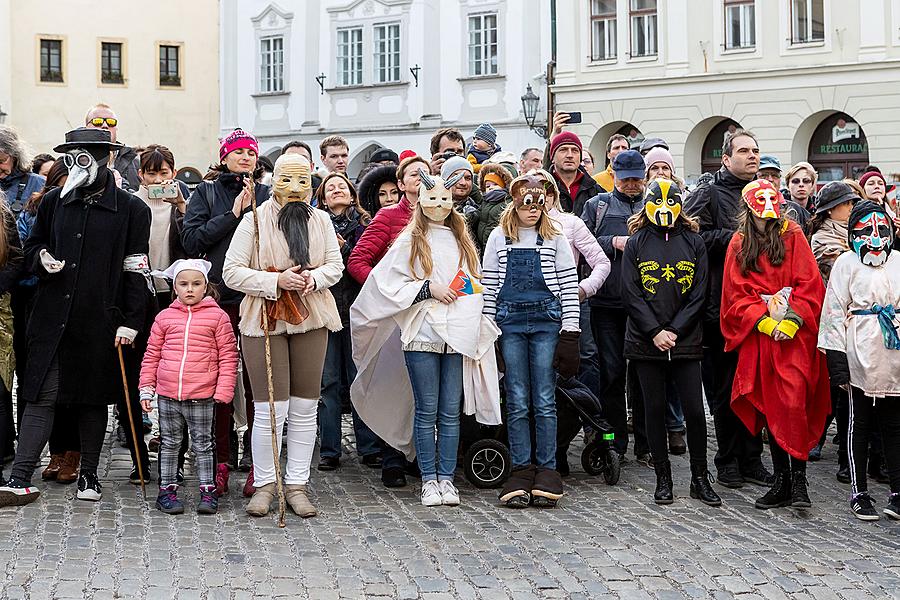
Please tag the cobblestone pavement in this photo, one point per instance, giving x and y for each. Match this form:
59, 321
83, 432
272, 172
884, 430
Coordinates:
601, 542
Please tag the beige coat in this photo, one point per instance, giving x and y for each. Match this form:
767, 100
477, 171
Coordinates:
242, 271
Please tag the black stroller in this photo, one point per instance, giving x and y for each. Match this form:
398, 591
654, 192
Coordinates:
486, 459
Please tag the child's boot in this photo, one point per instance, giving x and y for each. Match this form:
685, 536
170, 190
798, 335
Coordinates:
209, 501
261, 502
168, 501
547, 488
298, 500
516, 492
221, 479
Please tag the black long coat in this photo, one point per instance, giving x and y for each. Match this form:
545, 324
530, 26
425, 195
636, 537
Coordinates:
78, 310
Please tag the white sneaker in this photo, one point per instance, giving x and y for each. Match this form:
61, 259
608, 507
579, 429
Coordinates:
431, 493
449, 493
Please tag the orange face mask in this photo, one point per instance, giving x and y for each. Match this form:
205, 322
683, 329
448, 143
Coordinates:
763, 198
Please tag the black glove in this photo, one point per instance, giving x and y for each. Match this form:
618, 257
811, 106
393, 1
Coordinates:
838, 369
568, 354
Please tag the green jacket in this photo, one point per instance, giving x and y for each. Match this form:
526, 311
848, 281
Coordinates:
483, 221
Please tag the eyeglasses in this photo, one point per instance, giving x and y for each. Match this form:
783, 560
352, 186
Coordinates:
99, 121
804, 181
82, 159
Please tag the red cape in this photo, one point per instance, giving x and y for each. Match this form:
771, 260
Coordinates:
783, 385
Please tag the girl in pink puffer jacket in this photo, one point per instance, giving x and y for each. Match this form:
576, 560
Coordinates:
190, 364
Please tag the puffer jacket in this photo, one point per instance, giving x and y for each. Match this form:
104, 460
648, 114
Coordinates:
191, 353
584, 245
377, 238
487, 217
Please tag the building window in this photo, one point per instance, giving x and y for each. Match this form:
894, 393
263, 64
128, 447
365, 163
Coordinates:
740, 24
169, 66
271, 64
51, 61
111, 63
350, 56
807, 21
643, 27
603, 29
483, 44
387, 52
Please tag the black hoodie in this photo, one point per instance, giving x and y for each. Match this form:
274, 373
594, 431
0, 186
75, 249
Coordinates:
664, 278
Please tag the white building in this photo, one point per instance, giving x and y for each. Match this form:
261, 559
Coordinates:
381, 73
155, 67
815, 79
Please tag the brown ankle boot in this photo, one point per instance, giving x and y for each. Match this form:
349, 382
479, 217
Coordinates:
261, 502
52, 470
68, 473
298, 500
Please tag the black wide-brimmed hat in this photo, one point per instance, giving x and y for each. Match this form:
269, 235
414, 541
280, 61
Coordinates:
833, 194
88, 137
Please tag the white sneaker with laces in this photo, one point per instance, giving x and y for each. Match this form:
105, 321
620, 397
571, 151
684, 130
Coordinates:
431, 493
449, 493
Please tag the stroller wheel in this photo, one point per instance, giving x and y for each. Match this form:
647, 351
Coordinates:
487, 464
598, 458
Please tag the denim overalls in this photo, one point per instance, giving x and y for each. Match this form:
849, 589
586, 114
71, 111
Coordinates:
529, 316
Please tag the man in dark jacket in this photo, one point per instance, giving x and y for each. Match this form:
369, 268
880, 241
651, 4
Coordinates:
125, 161
576, 186
717, 206
606, 215
89, 247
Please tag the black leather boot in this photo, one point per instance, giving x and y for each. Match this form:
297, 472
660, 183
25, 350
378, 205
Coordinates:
663, 493
799, 492
779, 494
702, 489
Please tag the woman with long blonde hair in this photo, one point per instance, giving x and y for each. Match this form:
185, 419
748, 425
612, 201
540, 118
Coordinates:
428, 285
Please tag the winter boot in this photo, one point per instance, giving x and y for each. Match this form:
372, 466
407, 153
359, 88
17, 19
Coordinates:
168, 501
209, 502
68, 473
799, 492
516, 492
221, 479
261, 502
547, 488
663, 493
702, 489
248, 485
298, 500
780, 493
52, 470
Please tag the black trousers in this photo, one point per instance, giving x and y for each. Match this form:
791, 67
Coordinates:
616, 379
37, 424
736, 445
866, 415
783, 462
684, 375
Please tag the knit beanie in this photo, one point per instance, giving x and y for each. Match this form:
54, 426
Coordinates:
870, 175
454, 164
406, 154
235, 140
486, 132
562, 139
659, 154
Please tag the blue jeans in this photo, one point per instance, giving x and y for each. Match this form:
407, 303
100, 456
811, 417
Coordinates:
437, 385
339, 362
530, 384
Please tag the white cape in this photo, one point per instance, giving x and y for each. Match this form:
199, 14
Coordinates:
382, 393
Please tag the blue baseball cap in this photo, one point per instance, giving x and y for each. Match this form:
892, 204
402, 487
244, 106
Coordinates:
629, 165
767, 161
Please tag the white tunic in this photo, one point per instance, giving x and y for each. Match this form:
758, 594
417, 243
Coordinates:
854, 286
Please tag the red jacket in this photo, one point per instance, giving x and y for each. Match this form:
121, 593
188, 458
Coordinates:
377, 238
191, 353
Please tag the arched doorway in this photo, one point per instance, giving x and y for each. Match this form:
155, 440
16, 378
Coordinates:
601, 138
361, 159
838, 148
711, 154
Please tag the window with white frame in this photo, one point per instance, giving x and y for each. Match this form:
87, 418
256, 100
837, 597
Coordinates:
603, 29
643, 18
271, 64
387, 52
350, 56
807, 21
740, 24
483, 45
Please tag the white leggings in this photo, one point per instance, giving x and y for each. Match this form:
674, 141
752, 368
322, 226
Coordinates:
300, 414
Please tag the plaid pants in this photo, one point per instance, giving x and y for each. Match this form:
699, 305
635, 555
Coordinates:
198, 414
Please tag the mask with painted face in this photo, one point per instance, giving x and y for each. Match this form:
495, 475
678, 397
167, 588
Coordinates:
435, 196
871, 237
529, 192
291, 179
663, 202
763, 198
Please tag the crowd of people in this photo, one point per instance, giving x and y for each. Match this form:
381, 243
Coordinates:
465, 281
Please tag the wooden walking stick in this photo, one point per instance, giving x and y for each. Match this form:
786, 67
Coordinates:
134, 437
279, 485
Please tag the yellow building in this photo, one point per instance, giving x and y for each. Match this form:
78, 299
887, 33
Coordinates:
156, 65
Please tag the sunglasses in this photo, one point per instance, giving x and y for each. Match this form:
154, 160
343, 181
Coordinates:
99, 121
804, 181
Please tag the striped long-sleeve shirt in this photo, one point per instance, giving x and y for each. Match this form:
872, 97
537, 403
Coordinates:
557, 265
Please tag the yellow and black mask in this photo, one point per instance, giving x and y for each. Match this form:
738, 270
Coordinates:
663, 202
